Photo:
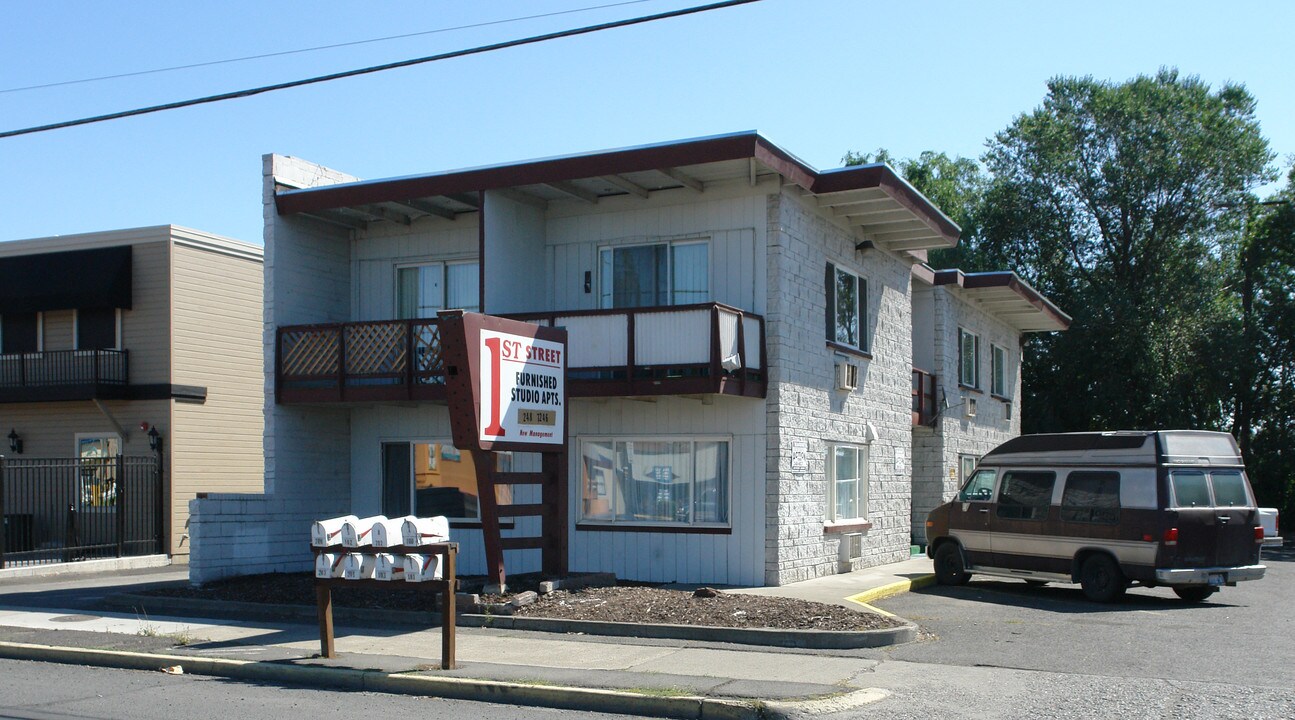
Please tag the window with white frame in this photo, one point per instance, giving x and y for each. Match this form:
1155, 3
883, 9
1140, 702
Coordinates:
847, 486
20, 333
424, 289
998, 371
966, 466
654, 481
847, 308
968, 359
666, 273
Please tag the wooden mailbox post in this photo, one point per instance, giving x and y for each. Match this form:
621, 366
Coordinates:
506, 384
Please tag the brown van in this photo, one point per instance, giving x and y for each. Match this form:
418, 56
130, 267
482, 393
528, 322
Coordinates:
1105, 510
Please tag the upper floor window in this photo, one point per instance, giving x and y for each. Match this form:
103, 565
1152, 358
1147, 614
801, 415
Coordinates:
673, 273
847, 308
19, 333
968, 359
998, 371
98, 329
423, 290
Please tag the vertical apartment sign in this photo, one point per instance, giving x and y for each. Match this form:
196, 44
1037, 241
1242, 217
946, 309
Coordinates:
506, 385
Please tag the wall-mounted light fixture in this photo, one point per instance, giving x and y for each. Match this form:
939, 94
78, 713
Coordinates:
154, 439
15, 442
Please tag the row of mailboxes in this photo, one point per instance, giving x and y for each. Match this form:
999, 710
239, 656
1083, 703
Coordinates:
413, 567
378, 532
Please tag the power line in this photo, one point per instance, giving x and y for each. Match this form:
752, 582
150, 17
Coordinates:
314, 49
379, 68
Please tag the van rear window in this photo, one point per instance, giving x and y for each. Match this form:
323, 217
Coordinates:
1229, 489
1025, 495
1091, 497
1190, 489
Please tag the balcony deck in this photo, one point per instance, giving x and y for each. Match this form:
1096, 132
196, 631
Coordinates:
702, 349
64, 375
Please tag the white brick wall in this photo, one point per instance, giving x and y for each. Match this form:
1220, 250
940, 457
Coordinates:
804, 404
935, 452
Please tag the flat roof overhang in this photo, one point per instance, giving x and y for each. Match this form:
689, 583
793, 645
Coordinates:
1004, 295
873, 198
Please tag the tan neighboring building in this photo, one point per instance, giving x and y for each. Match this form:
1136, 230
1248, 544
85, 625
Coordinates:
109, 341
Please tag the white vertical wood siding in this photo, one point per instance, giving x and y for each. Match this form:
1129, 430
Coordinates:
387, 246
736, 558
672, 338
597, 341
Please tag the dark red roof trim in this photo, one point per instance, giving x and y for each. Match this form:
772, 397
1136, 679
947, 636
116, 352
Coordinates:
652, 157
1007, 279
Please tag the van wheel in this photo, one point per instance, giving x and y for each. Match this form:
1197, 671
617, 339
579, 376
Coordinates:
949, 568
1194, 593
1101, 579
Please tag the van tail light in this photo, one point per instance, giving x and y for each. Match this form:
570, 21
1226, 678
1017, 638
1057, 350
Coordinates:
1259, 533
1171, 536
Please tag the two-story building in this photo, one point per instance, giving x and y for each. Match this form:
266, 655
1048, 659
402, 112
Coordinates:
142, 344
741, 374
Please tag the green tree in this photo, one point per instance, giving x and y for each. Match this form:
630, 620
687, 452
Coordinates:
1115, 200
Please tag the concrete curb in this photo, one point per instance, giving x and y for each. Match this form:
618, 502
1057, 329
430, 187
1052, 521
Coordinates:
809, 639
892, 589
607, 701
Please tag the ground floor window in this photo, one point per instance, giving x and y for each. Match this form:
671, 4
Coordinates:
966, 466
847, 486
430, 479
654, 481
97, 468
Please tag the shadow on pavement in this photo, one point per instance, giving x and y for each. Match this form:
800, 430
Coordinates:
1065, 599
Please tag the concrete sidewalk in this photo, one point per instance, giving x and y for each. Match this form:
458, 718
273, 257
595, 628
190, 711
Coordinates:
668, 678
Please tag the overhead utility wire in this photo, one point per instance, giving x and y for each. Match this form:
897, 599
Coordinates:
378, 68
298, 51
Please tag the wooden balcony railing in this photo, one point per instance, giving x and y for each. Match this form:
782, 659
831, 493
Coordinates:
678, 350
63, 375
923, 397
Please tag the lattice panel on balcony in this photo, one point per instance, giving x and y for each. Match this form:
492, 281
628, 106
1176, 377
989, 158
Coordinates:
375, 349
310, 352
427, 352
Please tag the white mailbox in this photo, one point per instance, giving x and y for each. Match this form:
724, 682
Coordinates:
356, 533
419, 568
328, 565
358, 567
424, 531
327, 532
388, 533
388, 567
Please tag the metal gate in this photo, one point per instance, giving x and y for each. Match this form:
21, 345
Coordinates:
59, 510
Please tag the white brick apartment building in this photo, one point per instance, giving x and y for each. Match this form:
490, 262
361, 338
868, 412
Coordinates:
743, 407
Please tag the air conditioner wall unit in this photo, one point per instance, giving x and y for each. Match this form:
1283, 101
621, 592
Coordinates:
970, 407
847, 376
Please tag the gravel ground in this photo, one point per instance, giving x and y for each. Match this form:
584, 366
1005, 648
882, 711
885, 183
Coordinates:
626, 603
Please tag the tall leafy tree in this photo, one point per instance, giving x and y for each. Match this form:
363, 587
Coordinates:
1115, 200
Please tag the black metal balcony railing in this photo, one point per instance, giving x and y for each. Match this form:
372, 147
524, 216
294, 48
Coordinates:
62, 374
923, 397
678, 350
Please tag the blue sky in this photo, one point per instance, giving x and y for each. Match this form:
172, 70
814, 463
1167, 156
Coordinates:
818, 77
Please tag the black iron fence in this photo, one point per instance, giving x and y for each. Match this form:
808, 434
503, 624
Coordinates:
57, 368
68, 509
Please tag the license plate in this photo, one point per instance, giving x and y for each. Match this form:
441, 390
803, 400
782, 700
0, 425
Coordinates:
1216, 578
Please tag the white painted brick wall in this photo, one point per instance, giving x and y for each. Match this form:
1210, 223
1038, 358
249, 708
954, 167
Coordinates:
804, 404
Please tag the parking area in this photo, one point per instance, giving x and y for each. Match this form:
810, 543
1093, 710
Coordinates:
1243, 634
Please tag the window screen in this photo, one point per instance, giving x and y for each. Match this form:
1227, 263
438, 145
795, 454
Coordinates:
1091, 497
1025, 495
